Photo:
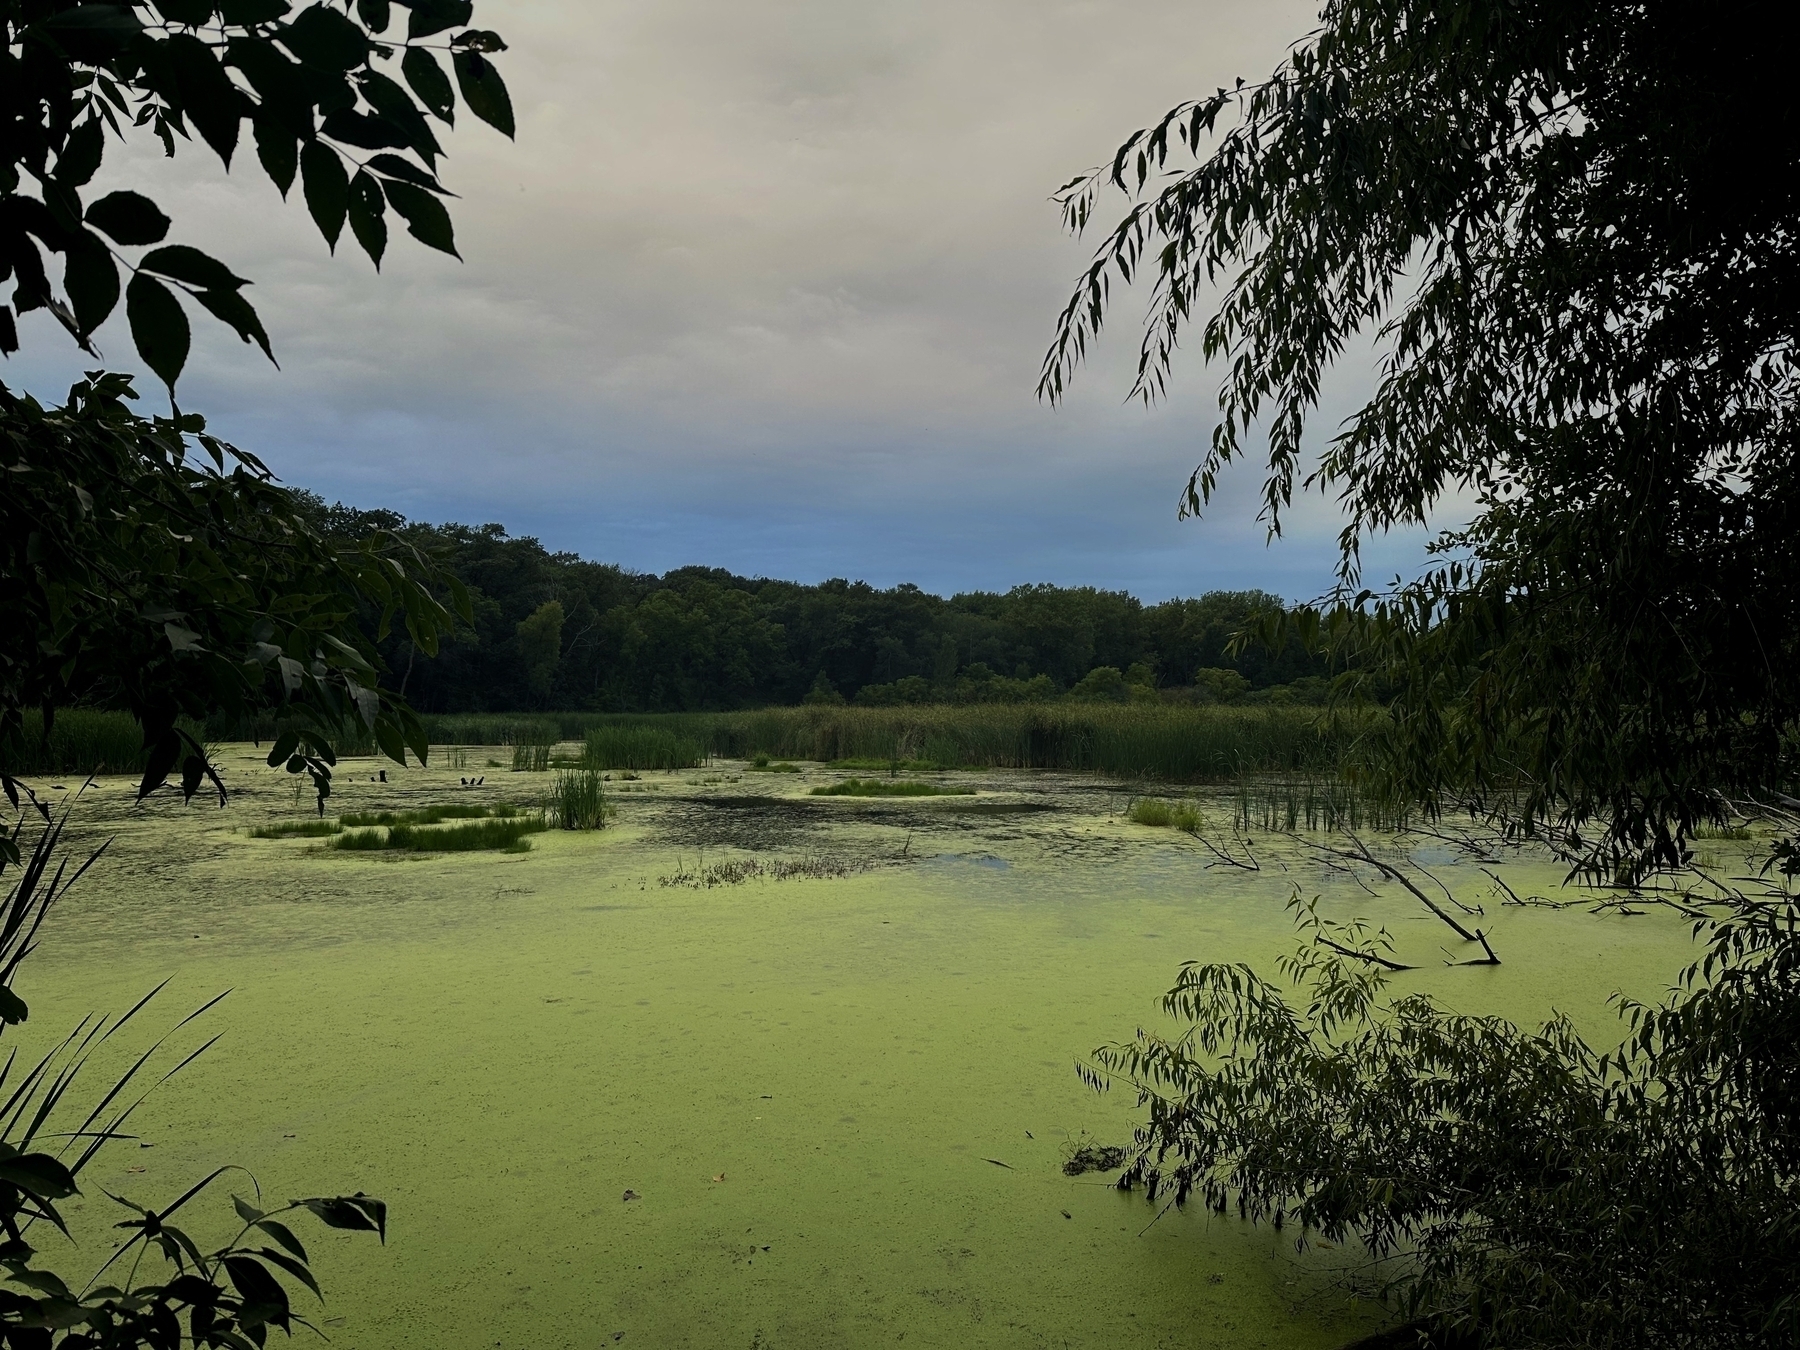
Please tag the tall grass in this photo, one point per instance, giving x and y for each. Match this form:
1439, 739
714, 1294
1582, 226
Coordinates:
1178, 744
505, 835
643, 747
578, 801
1284, 805
84, 741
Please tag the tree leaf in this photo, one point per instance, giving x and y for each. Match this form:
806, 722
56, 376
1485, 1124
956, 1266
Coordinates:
434, 16
12, 1008
284, 1235
367, 131
129, 217
374, 14
277, 148
429, 82
206, 94
483, 90
240, 314
159, 327
80, 154
91, 279
264, 1298
42, 1176
327, 189
426, 219
366, 211
181, 262
321, 36
406, 171
359, 1212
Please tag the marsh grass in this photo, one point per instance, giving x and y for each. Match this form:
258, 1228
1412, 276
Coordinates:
531, 757
1177, 815
578, 800
297, 829
643, 747
83, 741
889, 787
736, 871
503, 835
1313, 804
430, 815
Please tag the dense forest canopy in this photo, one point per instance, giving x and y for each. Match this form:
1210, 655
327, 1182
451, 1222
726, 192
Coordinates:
551, 630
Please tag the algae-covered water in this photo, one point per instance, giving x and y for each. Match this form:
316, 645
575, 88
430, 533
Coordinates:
842, 1102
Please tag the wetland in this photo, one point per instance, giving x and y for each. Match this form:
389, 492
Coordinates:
752, 1066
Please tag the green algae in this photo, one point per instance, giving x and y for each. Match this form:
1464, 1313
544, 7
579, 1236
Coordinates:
803, 1083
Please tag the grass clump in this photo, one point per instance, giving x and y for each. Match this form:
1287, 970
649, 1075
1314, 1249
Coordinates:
1154, 811
505, 835
760, 764
429, 815
889, 787
297, 829
640, 747
578, 800
531, 758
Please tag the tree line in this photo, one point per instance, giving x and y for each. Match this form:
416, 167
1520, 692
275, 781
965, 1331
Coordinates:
553, 630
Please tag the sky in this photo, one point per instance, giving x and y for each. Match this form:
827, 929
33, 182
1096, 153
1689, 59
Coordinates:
762, 286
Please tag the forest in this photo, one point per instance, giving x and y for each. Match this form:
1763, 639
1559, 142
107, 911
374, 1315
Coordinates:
551, 630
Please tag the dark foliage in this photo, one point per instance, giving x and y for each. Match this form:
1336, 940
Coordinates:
313, 87
703, 638
1574, 226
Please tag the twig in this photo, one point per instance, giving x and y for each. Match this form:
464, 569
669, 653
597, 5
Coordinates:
1364, 956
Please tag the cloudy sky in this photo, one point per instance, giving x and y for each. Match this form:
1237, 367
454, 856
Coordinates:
763, 286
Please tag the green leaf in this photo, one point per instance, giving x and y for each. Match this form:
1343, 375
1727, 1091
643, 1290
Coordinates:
295, 1268
231, 307
358, 1212
264, 1298
246, 1211
13, 1009
363, 130
44, 1177
374, 14
429, 82
321, 36
434, 16
159, 327
91, 32
406, 171
129, 217
426, 219
285, 745
366, 211
480, 40
91, 279
393, 102
327, 189
80, 154
205, 92
278, 149
483, 90
284, 1235
184, 263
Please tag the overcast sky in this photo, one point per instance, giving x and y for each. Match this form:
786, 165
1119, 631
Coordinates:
762, 286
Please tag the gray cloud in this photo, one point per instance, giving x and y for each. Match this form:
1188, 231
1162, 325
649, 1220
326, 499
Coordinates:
762, 286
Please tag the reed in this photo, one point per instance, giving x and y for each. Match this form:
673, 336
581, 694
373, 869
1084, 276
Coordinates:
643, 747
1174, 743
1284, 805
82, 741
297, 829
578, 799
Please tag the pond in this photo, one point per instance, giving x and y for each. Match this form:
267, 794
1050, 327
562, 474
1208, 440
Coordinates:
817, 1108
